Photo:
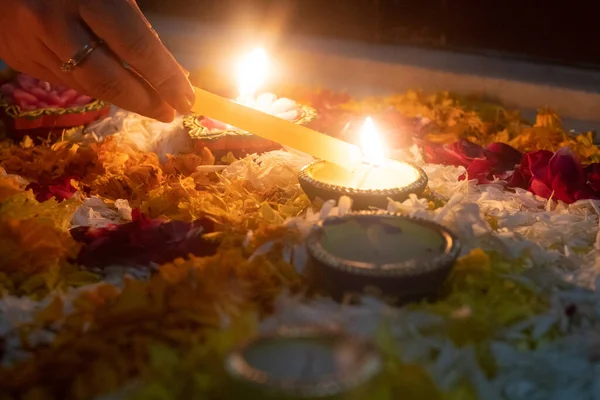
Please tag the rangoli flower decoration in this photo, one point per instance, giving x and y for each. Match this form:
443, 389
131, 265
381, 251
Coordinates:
220, 245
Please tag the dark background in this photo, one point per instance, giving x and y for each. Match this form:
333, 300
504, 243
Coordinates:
551, 31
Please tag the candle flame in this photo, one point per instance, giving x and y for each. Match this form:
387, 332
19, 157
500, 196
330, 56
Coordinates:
252, 72
371, 145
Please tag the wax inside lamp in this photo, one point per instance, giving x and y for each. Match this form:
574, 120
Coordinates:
381, 240
392, 174
310, 359
376, 173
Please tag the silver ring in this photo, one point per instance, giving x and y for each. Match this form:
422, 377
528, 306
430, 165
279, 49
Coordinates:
80, 56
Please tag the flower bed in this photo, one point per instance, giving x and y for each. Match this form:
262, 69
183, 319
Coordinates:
131, 264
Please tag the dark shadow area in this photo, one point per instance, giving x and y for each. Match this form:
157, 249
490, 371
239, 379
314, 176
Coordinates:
551, 31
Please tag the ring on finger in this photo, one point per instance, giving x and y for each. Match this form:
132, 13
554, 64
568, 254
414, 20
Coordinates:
80, 56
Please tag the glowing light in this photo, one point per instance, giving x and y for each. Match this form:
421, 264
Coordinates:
251, 73
371, 145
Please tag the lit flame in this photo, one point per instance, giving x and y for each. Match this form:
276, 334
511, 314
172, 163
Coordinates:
371, 145
252, 72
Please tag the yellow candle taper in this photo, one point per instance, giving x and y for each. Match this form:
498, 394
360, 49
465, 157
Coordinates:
277, 130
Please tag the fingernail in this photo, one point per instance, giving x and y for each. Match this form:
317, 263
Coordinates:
186, 103
187, 73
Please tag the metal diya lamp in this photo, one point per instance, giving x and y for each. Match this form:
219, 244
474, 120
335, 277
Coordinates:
398, 258
36, 108
371, 184
220, 137
304, 362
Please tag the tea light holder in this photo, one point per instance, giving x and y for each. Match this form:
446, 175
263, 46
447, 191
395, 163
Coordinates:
398, 258
369, 186
220, 138
41, 117
306, 362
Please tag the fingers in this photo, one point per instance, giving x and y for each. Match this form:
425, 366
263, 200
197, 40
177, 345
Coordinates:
43, 73
102, 75
128, 34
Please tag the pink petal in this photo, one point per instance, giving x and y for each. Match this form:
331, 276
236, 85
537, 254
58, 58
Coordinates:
44, 85
82, 100
55, 99
8, 88
21, 95
38, 92
68, 96
22, 103
26, 82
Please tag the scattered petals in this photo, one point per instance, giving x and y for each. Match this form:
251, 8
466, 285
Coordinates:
143, 241
140, 283
60, 189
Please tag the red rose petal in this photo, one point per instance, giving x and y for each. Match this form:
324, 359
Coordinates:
61, 189
480, 169
539, 187
460, 153
564, 164
592, 173
502, 157
143, 241
463, 152
537, 164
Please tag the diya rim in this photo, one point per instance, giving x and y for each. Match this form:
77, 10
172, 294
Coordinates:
14, 111
417, 186
198, 131
407, 268
331, 385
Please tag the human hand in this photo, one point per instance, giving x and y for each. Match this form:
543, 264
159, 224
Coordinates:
38, 36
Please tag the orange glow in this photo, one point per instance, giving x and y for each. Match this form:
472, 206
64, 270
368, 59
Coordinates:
371, 145
251, 73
